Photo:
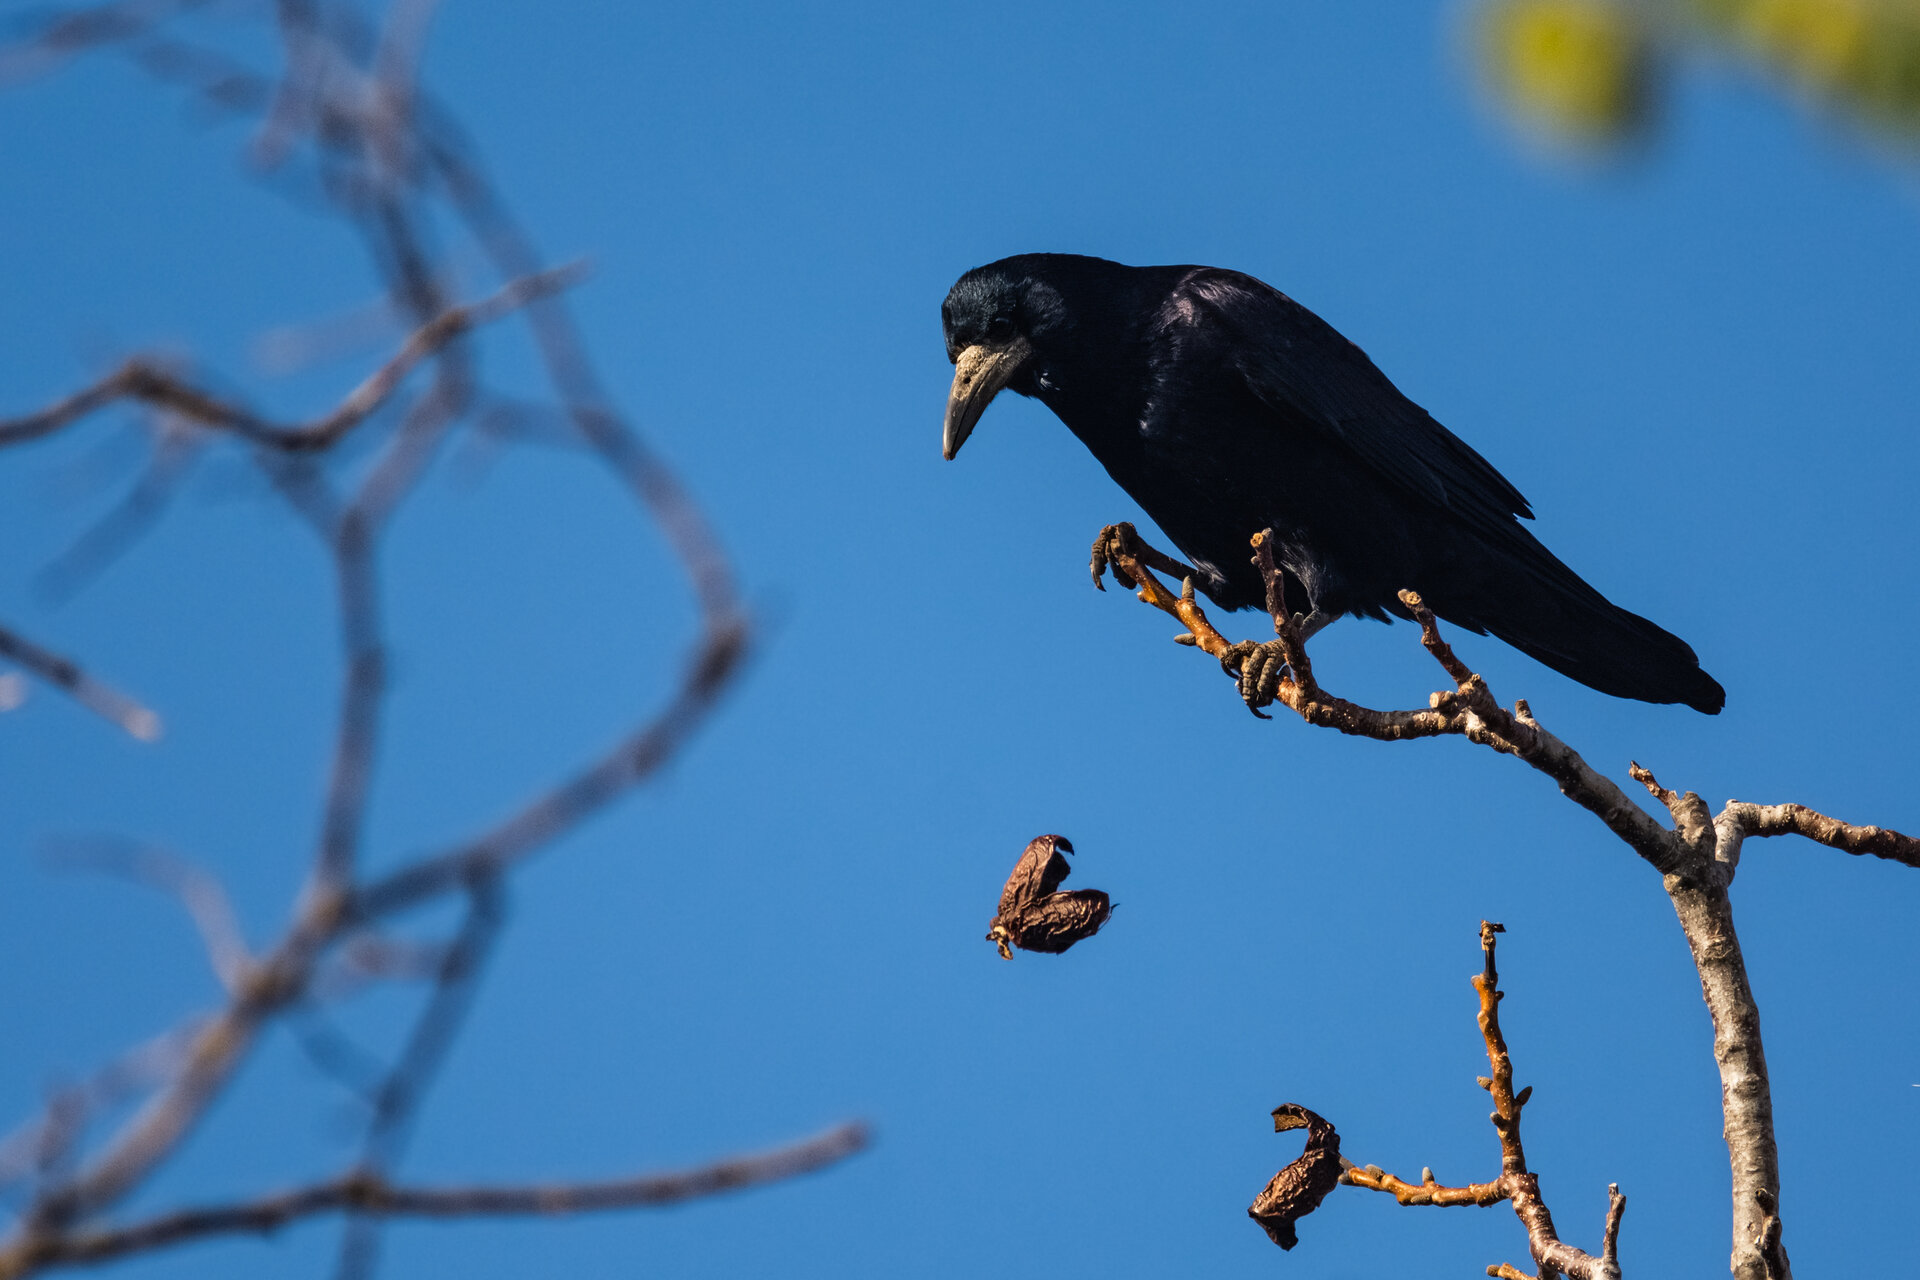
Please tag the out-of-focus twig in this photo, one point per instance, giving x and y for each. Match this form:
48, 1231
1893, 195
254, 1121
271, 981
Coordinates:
349, 123
141, 380
372, 1195
70, 678
197, 890
133, 1072
412, 1074
174, 448
53, 38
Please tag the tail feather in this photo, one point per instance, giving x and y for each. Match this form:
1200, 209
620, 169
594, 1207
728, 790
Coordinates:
1547, 611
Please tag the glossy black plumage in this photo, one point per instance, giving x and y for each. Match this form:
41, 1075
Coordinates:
1224, 407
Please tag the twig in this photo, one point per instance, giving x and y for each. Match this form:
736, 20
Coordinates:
1467, 711
1740, 820
389, 161
1293, 648
1705, 911
135, 1070
151, 384
109, 537
369, 1194
203, 897
64, 35
511, 841
68, 676
573, 379
1696, 859
1516, 1182
433, 1031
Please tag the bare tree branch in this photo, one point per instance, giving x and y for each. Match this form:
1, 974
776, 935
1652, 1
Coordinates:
1696, 858
66, 34
133, 1072
632, 761
109, 537
369, 1194
1516, 1183
151, 384
391, 162
68, 676
198, 891
1701, 902
1740, 820
433, 1031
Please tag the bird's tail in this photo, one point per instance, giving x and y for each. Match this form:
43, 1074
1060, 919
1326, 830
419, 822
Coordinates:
1547, 611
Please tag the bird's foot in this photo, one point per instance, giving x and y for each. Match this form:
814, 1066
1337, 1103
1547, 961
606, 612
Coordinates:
1118, 545
1258, 670
1121, 549
1111, 546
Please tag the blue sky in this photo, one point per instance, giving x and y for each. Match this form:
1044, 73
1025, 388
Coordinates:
1697, 363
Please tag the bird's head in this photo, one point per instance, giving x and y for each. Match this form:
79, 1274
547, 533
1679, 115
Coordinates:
997, 319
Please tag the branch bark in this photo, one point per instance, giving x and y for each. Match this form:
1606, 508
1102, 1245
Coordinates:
1516, 1183
1696, 859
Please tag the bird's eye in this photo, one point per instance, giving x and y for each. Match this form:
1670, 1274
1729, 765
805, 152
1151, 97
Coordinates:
1000, 328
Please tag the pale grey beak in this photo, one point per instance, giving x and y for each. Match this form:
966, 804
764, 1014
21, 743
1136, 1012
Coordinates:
978, 376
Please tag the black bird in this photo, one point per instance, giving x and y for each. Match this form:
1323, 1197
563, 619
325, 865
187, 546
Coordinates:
1224, 407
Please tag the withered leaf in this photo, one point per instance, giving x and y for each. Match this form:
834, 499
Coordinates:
1298, 1189
1034, 915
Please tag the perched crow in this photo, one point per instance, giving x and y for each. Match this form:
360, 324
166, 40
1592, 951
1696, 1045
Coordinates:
1224, 407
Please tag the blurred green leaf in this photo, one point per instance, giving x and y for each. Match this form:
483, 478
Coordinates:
1583, 70
1578, 67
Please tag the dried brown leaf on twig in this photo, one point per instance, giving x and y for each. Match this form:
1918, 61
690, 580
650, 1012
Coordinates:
1298, 1189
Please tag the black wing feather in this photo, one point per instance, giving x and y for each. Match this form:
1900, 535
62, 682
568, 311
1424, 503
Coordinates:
1301, 367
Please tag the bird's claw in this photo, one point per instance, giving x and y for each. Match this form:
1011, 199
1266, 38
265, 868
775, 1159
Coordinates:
1109, 545
1258, 669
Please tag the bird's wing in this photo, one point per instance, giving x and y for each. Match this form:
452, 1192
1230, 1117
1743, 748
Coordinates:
1302, 368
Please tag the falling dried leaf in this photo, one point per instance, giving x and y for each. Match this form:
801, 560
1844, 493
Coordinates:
1034, 915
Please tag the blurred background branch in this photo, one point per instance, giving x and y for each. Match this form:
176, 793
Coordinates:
390, 162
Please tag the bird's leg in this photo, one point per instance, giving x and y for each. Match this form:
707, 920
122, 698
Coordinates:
1260, 669
1310, 625
1117, 544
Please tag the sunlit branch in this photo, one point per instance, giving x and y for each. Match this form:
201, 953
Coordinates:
1696, 859
1516, 1183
